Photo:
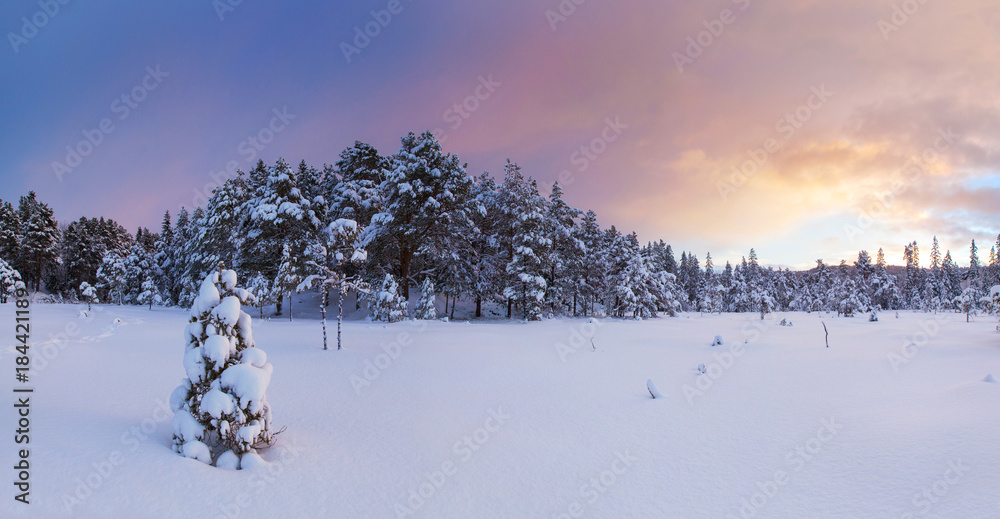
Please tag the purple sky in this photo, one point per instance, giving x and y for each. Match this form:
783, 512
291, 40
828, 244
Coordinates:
881, 94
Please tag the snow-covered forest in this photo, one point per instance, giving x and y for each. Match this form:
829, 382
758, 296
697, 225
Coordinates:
385, 225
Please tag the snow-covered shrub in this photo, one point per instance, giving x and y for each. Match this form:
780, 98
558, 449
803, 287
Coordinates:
966, 302
386, 303
425, 307
150, 293
220, 409
10, 281
88, 293
992, 301
717, 341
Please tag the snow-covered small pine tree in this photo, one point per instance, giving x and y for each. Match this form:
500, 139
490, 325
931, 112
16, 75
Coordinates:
386, 302
111, 276
10, 281
425, 308
89, 293
290, 276
150, 293
992, 301
220, 409
966, 302
262, 291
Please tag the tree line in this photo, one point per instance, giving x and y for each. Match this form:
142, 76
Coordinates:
381, 224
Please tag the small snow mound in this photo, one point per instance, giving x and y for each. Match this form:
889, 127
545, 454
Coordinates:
82, 314
591, 320
718, 341
652, 389
228, 460
989, 378
443, 320
702, 369
252, 460
197, 450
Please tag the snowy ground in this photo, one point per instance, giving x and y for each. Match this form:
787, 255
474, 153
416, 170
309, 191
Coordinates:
498, 420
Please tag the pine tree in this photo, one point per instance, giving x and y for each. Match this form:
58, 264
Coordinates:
526, 269
10, 232
488, 261
356, 194
111, 277
221, 409
426, 193
150, 293
290, 275
274, 215
566, 252
425, 307
387, 304
10, 281
89, 293
39, 246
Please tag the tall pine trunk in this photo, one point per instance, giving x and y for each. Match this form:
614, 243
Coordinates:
340, 313
322, 310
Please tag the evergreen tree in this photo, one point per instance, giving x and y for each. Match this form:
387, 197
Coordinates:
356, 195
566, 252
290, 275
426, 193
10, 232
527, 284
425, 307
111, 277
89, 293
10, 281
39, 247
221, 410
387, 304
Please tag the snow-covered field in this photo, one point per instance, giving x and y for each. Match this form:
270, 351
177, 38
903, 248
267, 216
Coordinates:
503, 419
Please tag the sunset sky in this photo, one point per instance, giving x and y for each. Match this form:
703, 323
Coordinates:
857, 100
